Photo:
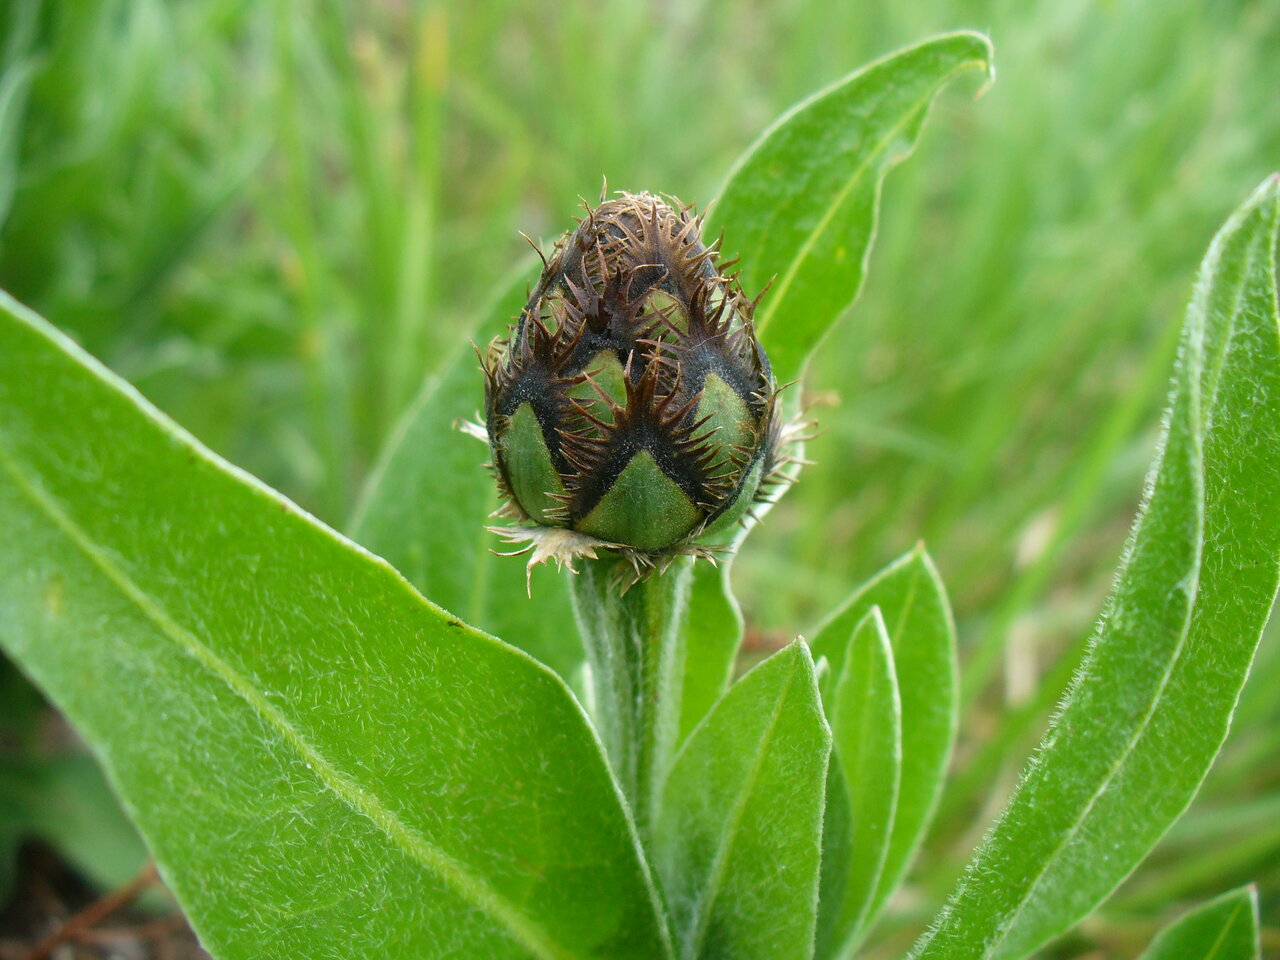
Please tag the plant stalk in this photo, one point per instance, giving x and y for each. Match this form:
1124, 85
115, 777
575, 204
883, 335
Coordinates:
635, 644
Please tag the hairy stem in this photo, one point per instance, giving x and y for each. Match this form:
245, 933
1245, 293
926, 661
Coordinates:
635, 647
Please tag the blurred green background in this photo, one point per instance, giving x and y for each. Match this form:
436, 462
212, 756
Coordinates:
275, 218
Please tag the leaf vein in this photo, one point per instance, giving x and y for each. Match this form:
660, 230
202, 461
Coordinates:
1216, 946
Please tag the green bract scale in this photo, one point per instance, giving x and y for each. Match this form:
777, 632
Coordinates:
631, 406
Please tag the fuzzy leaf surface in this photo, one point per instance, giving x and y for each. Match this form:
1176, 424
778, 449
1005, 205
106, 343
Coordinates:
917, 614
323, 763
866, 733
1224, 928
427, 504
800, 205
1150, 707
737, 842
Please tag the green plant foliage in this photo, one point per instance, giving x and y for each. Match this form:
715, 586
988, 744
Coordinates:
1151, 706
914, 606
866, 729
308, 744
737, 842
802, 202
1225, 928
19, 713
426, 506
712, 636
65, 801
15, 85
273, 218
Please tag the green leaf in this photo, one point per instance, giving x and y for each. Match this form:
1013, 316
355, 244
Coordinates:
866, 732
800, 206
1224, 928
1150, 707
427, 503
713, 634
65, 800
314, 754
15, 87
737, 842
914, 603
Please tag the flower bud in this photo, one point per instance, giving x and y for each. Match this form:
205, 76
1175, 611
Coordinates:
631, 407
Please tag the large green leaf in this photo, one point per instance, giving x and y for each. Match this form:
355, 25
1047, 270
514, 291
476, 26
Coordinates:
801, 204
866, 732
737, 843
1224, 928
427, 503
315, 754
1151, 706
911, 597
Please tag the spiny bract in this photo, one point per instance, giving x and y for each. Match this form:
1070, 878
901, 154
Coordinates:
631, 407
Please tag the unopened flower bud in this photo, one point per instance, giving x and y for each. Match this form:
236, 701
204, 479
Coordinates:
631, 407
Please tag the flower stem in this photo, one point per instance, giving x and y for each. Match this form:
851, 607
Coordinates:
635, 646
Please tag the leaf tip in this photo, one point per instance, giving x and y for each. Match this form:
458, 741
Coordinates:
987, 82
1267, 191
799, 650
988, 63
984, 57
872, 620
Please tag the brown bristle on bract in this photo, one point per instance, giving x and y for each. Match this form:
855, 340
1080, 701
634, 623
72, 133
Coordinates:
634, 281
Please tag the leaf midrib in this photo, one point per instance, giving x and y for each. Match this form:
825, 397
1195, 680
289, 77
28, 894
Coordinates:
802, 254
413, 844
1226, 928
1219, 362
